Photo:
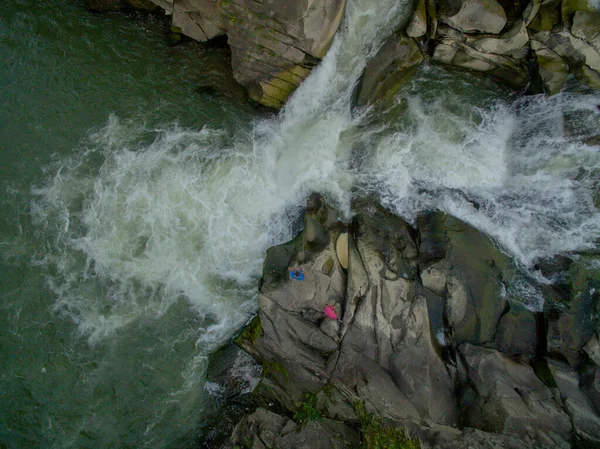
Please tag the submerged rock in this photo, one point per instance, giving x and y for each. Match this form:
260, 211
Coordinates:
274, 45
509, 398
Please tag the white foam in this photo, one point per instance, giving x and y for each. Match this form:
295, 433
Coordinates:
511, 170
189, 214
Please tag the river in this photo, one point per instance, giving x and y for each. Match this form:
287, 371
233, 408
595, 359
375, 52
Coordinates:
137, 208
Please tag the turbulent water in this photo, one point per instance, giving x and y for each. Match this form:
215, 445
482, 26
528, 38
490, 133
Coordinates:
134, 251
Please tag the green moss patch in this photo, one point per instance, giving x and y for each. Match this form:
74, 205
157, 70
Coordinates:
377, 434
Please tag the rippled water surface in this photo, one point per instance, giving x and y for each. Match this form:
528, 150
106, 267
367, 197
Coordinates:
137, 208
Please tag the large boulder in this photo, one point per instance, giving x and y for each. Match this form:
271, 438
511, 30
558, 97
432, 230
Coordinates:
389, 357
417, 27
553, 70
274, 45
389, 69
511, 71
510, 399
582, 57
479, 283
512, 43
473, 16
572, 325
585, 420
263, 429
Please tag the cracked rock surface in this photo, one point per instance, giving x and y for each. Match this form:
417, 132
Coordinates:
431, 338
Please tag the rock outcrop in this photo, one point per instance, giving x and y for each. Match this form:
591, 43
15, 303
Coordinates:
274, 45
522, 44
434, 336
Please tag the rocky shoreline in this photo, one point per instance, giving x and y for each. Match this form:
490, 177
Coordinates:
434, 347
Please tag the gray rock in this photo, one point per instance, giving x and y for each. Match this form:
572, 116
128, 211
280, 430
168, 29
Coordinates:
586, 422
509, 70
592, 349
506, 44
575, 51
417, 26
199, 19
264, 429
441, 437
590, 384
473, 16
511, 399
570, 330
547, 17
167, 5
389, 358
531, 11
553, 70
273, 44
586, 25
389, 69
517, 333
435, 277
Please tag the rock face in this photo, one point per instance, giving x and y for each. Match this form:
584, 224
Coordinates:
264, 429
473, 16
386, 72
433, 337
274, 45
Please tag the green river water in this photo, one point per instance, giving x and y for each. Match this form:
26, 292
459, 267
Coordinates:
63, 74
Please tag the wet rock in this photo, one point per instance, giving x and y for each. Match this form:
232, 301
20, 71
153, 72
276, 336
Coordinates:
590, 384
517, 333
586, 422
264, 429
572, 325
576, 52
117, 5
511, 399
473, 272
279, 259
547, 17
586, 26
509, 70
587, 76
553, 70
473, 16
570, 7
274, 45
417, 26
389, 69
233, 371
